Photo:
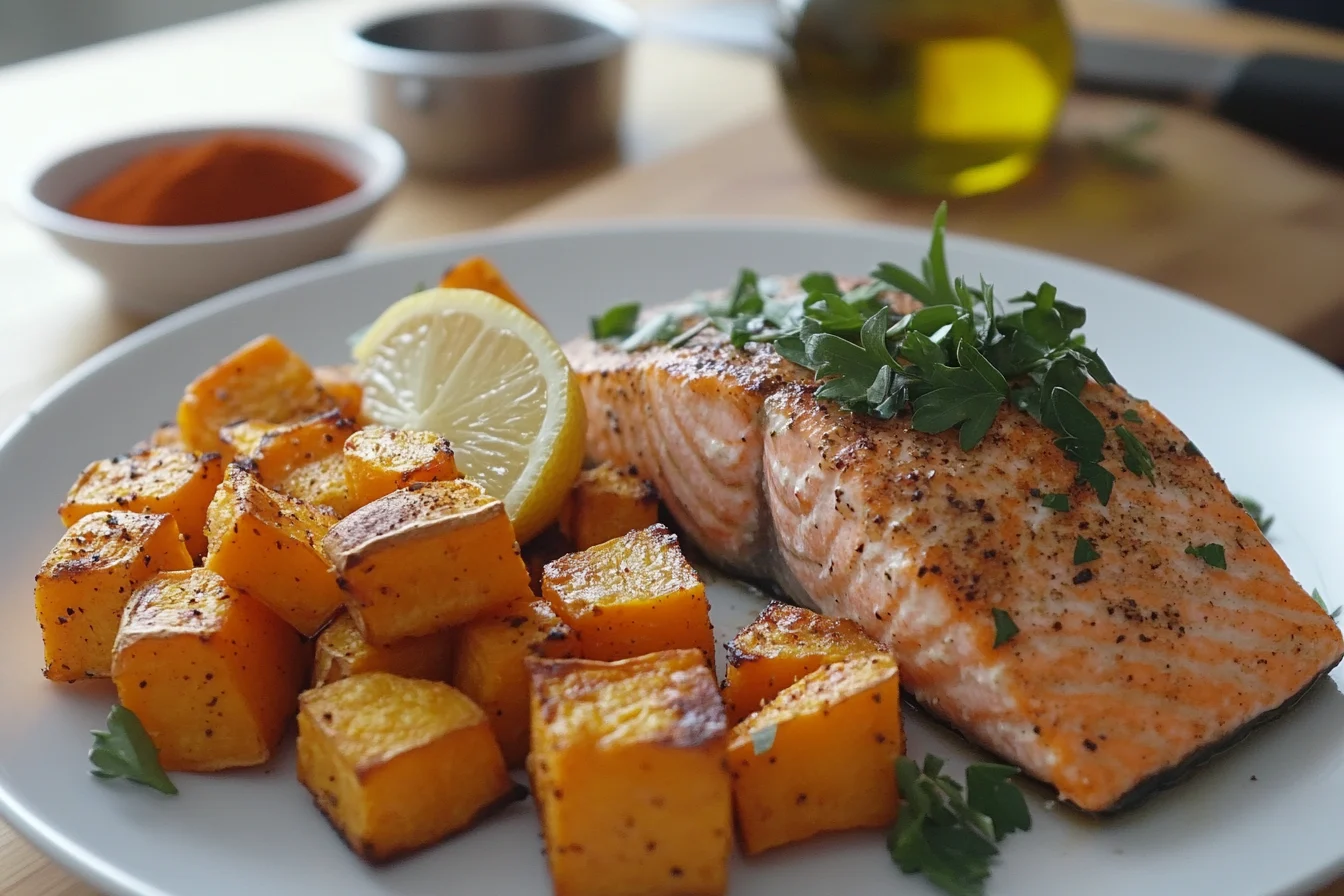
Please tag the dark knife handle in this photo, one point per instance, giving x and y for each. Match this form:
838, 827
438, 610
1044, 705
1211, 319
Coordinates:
1295, 100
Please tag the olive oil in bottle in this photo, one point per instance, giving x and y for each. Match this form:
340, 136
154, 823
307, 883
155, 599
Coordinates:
941, 97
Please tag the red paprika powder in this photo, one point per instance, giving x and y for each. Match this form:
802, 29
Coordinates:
225, 178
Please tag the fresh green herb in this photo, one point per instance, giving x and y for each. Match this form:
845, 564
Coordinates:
1004, 627
948, 832
762, 739
1081, 439
1320, 601
657, 329
615, 323
1055, 501
954, 364
1210, 553
1084, 552
1191, 450
1132, 416
1257, 513
124, 750
1138, 460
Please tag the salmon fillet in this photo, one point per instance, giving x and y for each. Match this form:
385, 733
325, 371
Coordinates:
1125, 670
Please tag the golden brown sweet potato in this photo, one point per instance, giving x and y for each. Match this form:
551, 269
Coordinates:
342, 652
479, 273
398, 763
379, 460
342, 383
213, 675
627, 769
780, 646
167, 435
820, 756
489, 667
266, 544
632, 595
424, 558
320, 483
86, 581
160, 480
605, 503
274, 450
263, 380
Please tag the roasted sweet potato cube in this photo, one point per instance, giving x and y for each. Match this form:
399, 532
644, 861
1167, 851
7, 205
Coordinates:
627, 769
379, 460
850, 713
780, 646
302, 459
167, 435
419, 560
342, 652
86, 581
274, 450
213, 674
490, 670
266, 544
160, 480
479, 273
342, 383
632, 595
605, 503
320, 483
398, 763
263, 380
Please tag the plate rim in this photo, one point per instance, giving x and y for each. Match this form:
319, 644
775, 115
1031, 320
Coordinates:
77, 860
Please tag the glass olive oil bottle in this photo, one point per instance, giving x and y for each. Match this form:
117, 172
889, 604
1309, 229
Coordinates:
942, 97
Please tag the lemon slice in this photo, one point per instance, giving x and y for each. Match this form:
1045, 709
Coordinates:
473, 368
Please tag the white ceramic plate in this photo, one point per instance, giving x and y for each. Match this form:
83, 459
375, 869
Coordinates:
1266, 818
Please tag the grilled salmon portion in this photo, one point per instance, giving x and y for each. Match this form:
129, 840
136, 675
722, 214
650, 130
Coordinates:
1125, 669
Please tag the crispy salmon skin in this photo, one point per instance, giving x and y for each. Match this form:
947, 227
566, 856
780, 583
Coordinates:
1124, 669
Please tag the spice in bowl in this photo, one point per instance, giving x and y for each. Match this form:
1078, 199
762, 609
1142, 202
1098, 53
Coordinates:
232, 177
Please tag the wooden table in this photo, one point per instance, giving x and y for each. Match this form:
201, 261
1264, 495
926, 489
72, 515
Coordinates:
1230, 218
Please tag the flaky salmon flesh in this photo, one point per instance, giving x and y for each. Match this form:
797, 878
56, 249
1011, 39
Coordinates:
1125, 670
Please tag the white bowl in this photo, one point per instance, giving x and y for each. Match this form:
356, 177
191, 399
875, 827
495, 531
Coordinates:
153, 271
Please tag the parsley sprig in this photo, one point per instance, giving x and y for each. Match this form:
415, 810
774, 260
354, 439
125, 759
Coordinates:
954, 364
948, 832
124, 750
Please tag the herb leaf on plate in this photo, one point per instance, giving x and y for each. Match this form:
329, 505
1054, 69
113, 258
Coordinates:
1004, 627
124, 750
1256, 510
949, 832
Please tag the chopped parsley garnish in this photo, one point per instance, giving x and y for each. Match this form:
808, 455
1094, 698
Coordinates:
617, 322
1004, 627
1257, 513
1210, 553
955, 364
1137, 458
1132, 416
1191, 450
1083, 551
124, 750
948, 832
1055, 501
